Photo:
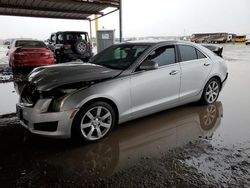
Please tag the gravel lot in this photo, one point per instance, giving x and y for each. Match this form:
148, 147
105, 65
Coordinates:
189, 146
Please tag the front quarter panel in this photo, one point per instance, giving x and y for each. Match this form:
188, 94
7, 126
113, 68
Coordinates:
116, 90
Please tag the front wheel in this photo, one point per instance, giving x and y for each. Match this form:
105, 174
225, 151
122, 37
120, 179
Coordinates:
211, 91
94, 122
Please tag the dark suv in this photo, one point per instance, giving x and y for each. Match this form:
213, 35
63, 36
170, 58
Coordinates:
70, 45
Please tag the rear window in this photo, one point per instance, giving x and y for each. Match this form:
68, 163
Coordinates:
30, 44
75, 36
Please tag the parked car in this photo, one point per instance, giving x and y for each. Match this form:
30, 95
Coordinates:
121, 83
70, 45
247, 41
216, 49
25, 54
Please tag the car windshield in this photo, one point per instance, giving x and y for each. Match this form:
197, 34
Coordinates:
30, 44
119, 57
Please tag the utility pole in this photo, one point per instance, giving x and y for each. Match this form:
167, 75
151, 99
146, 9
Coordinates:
90, 32
96, 31
120, 20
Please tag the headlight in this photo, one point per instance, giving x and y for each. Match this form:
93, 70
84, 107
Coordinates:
43, 105
57, 103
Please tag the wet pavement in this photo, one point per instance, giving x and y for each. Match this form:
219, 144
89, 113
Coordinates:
188, 146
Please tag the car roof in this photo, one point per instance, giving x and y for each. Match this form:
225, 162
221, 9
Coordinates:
84, 32
155, 42
170, 42
27, 40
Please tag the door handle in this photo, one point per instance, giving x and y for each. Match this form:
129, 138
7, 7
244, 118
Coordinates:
206, 64
174, 72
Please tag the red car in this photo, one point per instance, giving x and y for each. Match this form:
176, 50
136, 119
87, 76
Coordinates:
26, 54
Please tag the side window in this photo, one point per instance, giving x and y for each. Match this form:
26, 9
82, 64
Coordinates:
53, 38
60, 37
163, 55
188, 53
200, 55
69, 37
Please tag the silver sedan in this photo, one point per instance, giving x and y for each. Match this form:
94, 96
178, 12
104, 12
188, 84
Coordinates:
123, 82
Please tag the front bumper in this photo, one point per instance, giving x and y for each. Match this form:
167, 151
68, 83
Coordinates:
31, 118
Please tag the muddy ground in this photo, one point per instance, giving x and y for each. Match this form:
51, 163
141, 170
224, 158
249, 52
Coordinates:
189, 146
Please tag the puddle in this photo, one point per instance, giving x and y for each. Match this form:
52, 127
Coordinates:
144, 138
8, 98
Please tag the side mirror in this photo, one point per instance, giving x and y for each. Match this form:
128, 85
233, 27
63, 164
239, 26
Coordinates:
148, 65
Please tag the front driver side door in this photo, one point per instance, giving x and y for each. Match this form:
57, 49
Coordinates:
155, 90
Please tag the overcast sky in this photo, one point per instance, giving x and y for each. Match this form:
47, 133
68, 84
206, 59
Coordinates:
146, 18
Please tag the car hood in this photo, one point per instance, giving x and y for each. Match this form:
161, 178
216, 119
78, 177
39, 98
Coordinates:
50, 77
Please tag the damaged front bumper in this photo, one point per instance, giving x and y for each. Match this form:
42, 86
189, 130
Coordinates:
49, 124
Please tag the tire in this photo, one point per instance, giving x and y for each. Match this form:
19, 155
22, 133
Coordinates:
80, 47
211, 91
94, 122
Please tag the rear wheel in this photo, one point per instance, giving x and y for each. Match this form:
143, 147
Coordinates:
94, 122
211, 91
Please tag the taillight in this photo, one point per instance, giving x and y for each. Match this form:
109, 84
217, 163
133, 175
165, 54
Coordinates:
49, 54
19, 52
67, 46
89, 45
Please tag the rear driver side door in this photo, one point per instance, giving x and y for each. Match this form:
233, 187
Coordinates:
154, 90
195, 69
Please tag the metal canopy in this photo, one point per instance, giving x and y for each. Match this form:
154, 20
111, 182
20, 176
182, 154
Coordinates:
63, 9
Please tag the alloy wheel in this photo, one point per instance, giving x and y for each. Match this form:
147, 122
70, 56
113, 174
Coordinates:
212, 92
96, 123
